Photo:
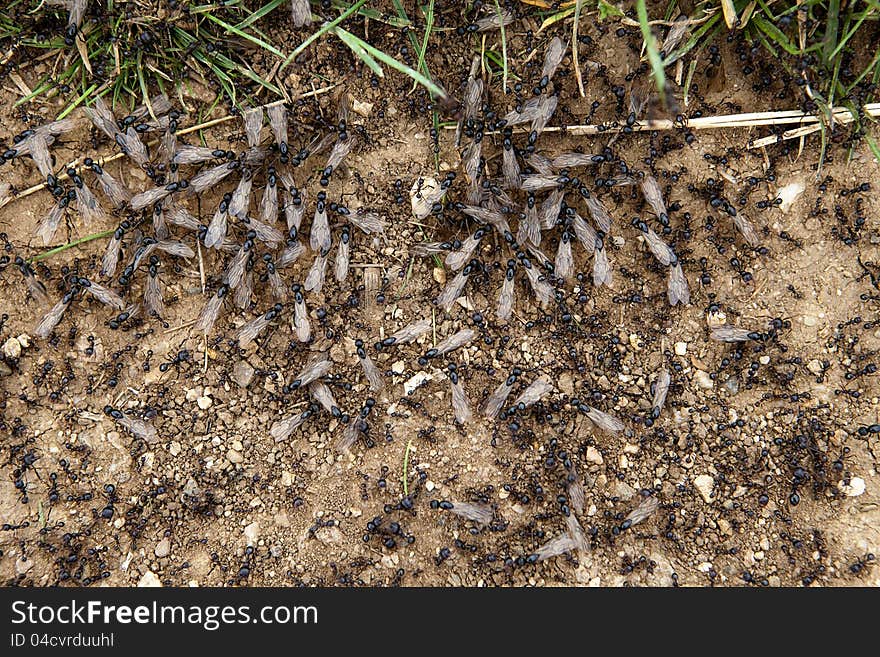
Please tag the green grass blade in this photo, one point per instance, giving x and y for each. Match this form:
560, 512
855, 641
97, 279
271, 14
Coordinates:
70, 245
875, 149
429, 25
651, 46
776, 35
360, 52
402, 20
244, 35
386, 59
257, 15
831, 30
85, 94
324, 29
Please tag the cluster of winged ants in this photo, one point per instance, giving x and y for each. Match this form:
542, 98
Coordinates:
245, 231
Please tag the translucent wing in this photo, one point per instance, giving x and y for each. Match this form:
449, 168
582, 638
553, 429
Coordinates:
282, 429
50, 320
677, 290
461, 408
322, 394
269, 205
453, 290
317, 367
564, 265
411, 331
301, 13
599, 214
553, 57
193, 154
372, 373
118, 193
49, 224
148, 197
480, 513
584, 232
209, 178
88, 205
319, 238
291, 253
729, 333
601, 268
101, 116
605, 421
646, 508
458, 259
369, 222
453, 342
278, 119
138, 428
153, 301
745, 227
653, 195
253, 123
661, 389
550, 209
315, 279
241, 197
506, 297
538, 182
301, 318
664, 254
343, 254
268, 235
216, 229
554, 547
496, 400
208, 317
542, 289
495, 20
510, 168
134, 147
175, 248
534, 393
571, 160
105, 295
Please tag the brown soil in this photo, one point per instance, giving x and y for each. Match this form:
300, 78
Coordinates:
763, 422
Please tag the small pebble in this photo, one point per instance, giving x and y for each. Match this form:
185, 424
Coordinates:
149, 580
703, 379
242, 374
163, 548
704, 484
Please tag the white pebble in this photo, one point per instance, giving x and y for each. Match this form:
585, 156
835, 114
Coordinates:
12, 348
149, 580
855, 487
704, 484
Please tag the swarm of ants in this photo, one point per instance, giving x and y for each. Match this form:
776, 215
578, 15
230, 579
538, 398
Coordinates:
267, 226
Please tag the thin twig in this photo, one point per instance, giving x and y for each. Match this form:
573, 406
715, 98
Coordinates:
201, 265
574, 47
749, 120
173, 329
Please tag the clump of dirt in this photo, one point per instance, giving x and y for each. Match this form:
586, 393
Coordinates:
762, 461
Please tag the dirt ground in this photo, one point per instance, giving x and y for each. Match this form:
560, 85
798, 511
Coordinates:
761, 473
